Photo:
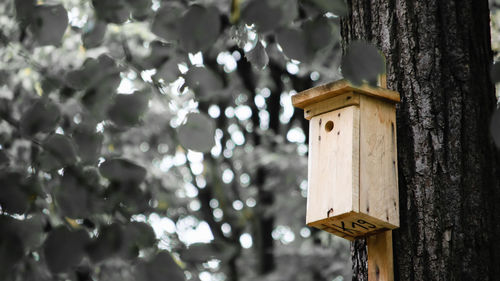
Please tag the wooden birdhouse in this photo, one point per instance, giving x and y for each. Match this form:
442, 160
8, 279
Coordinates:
352, 173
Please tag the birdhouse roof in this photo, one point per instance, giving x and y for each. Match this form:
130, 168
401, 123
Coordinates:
330, 90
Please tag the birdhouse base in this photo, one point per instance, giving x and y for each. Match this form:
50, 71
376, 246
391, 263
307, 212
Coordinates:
352, 225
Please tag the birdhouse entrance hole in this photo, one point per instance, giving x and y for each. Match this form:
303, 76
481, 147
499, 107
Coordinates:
329, 126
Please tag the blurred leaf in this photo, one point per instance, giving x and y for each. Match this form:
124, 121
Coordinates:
169, 71
42, 116
97, 100
30, 230
89, 73
160, 53
141, 9
265, 16
50, 83
4, 159
258, 56
14, 197
141, 234
198, 133
101, 80
337, 7
118, 11
495, 72
88, 143
199, 253
495, 127
24, 11
71, 196
94, 74
49, 24
93, 33
319, 33
198, 28
108, 242
81, 78
58, 152
293, 42
64, 249
138, 235
166, 20
362, 62
161, 267
203, 81
112, 11
289, 11
304, 44
4, 40
127, 197
128, 109
4, 77
122, 170
11, 246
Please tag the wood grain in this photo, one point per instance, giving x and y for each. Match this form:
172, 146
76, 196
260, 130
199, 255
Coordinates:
323, 92
380, 257
330, 104
380, 248
378, 185
333, 164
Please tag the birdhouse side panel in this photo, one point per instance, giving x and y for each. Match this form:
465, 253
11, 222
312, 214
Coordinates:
333, 170
378, 161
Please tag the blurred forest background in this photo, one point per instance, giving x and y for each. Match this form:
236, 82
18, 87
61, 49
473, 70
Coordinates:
156, 140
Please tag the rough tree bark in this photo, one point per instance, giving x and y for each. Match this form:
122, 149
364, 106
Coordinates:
438, 56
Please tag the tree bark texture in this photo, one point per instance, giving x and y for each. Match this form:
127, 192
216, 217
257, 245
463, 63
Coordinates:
438, 55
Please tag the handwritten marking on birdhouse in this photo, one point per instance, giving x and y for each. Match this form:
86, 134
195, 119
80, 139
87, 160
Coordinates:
350, 227
353, 227
328, 213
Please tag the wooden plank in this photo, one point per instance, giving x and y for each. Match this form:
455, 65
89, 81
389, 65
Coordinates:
334, 103
380, 257
380, 249
382, 81
333, 164
378, 164
323, 92
355, 159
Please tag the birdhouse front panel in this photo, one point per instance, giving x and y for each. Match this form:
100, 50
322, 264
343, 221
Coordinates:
333, 164
352, 173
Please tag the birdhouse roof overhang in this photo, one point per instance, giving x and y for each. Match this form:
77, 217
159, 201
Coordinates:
330, 90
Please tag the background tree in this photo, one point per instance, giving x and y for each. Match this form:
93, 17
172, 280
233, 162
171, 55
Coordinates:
144, 140
438, 57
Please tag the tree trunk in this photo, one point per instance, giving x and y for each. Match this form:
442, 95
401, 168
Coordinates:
438, 56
